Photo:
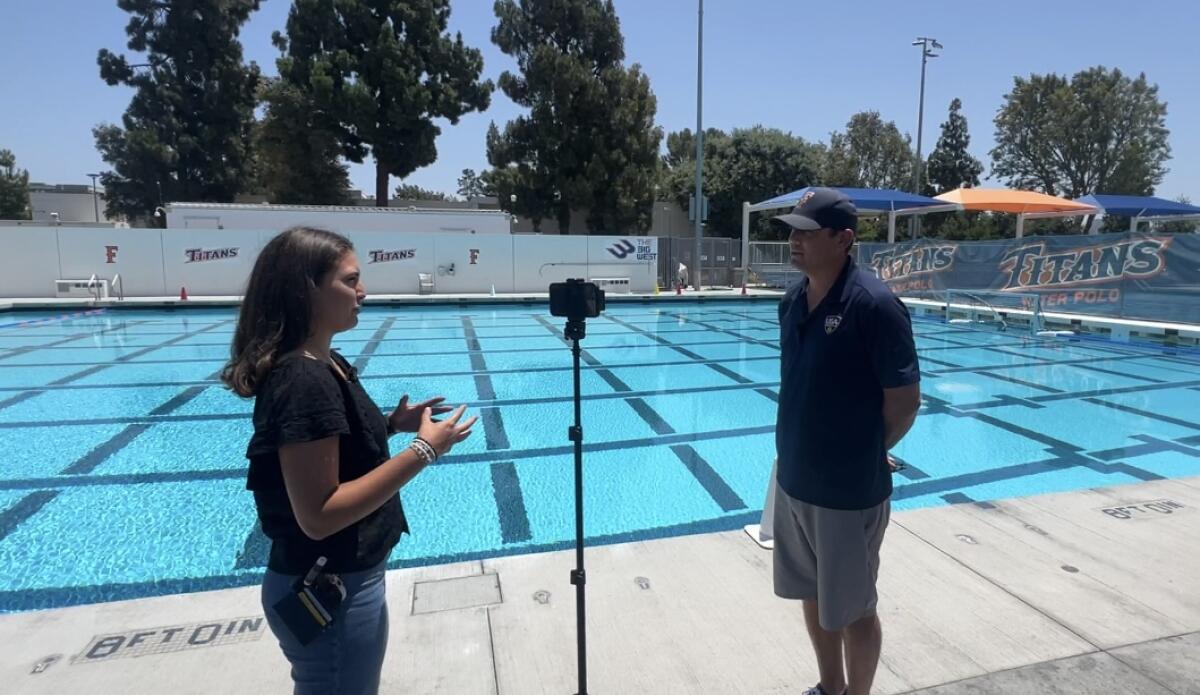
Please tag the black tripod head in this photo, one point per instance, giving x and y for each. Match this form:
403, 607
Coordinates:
575, 330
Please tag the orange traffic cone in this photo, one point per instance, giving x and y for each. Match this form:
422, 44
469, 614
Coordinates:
183, 294
744, 292
679, 288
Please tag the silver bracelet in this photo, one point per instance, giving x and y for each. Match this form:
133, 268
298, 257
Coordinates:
424, 450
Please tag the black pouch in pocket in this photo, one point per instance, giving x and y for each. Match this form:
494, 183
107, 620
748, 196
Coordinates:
312, 604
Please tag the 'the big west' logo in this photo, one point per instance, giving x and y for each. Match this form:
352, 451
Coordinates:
1030, 266
641, 250
895, 265
621, 249
379, 256
199, 255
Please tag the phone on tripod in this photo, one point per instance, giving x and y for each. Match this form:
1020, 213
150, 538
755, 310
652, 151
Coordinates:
576, 300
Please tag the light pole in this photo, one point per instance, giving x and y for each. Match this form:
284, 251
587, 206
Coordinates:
95, 205
699, 206
928, 46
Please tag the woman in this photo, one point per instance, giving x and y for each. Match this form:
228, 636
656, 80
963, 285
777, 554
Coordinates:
324, 482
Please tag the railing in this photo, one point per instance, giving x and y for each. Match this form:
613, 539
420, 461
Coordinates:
94, 285
771, 262
119, 284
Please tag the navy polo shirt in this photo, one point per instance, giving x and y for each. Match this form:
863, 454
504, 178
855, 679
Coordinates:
836, 362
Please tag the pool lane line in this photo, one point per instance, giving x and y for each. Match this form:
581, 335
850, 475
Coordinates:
495, 436
26, 507
372, 344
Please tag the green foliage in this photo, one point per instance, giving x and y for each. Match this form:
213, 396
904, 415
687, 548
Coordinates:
298, 154
749, 164
588, 141
379, 72
870, 153
408, 191
1099, 132
471, 185
14, 188
186, 133
950, 165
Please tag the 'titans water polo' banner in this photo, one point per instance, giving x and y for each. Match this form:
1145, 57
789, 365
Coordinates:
1151, 276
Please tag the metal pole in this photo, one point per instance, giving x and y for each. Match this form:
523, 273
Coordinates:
699, 145
926, 54
95, 205
912, 225
575, 331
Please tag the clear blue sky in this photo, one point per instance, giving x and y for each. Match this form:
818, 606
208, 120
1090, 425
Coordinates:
803, 67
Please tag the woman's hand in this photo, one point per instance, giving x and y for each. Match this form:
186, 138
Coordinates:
444, 434
407, 418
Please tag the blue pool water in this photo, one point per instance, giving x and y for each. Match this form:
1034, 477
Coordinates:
123, 471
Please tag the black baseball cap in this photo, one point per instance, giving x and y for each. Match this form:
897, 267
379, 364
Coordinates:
822, 208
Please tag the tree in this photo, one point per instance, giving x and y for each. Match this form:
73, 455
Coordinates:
382, 71
589, 141
471, 185
14, 188
407, 191
869, 154
950, 165
747, 165
297, 152
1099, 132
186, 133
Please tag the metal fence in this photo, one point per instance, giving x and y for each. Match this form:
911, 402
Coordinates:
722, 259
771, 264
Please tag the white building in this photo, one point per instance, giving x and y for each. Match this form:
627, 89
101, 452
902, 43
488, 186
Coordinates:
336, 217
66, 203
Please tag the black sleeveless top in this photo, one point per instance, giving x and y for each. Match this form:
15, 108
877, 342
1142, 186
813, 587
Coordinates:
303, 400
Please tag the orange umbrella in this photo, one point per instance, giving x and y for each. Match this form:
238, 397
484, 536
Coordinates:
1008, 200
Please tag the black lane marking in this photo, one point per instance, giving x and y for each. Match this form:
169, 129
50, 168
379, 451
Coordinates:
510, 503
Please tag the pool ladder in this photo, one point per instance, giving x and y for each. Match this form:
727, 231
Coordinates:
96, 287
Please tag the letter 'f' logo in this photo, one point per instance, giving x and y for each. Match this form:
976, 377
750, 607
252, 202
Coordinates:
110, 254
474, 255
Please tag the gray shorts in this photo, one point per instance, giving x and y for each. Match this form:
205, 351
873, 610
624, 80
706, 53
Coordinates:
830, 556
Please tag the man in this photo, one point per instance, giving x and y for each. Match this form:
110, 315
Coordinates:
849, 392
681, 275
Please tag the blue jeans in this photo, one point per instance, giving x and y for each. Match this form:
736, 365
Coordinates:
345, 659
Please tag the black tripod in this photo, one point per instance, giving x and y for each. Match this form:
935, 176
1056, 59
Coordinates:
575, 332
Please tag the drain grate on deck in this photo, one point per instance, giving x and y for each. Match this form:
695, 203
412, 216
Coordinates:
456, 593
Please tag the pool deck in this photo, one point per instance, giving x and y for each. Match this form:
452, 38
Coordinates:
666, 294
1048, 594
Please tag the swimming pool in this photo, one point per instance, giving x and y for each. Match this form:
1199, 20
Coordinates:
124, 468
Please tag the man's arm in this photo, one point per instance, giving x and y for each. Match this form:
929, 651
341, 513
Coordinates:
900, 407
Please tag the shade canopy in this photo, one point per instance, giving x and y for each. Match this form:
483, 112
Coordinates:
865, 199
1138, 206
1013, 201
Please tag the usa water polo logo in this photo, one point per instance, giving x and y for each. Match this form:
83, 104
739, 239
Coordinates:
1030, 267
832, 323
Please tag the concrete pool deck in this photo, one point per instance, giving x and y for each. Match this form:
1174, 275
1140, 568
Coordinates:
510, 298
1089, 591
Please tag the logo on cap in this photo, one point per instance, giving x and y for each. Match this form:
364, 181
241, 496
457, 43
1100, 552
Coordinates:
832, 323
805, 198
